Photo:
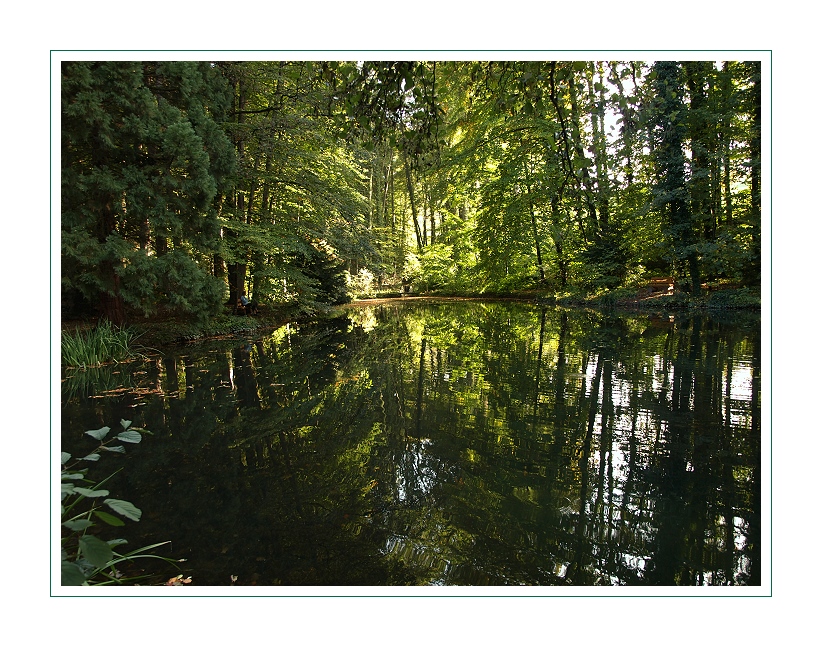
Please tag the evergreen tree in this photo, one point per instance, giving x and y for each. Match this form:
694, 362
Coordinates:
143, 156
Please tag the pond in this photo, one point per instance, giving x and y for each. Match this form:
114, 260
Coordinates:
435, 443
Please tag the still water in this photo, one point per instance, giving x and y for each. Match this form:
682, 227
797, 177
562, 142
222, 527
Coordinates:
445, 443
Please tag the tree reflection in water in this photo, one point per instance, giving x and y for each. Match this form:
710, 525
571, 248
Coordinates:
479, 443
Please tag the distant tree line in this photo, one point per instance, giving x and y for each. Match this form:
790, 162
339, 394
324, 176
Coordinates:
187, 184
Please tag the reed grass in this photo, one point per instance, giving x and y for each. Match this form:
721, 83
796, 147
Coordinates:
103, 344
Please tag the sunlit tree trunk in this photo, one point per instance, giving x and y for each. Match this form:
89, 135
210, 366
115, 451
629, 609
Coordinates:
581, 162
596, 99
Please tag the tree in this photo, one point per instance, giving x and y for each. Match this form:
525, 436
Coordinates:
142, 157
671, 190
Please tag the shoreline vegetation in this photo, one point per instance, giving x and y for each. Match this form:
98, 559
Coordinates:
146, 335
192, 187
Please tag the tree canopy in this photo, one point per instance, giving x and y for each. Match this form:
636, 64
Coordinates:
187, 184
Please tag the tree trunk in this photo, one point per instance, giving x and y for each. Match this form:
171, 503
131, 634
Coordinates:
756, 145
111, 299
584, 178
561, 260
597, 112
410, 186
534, 229
701, 135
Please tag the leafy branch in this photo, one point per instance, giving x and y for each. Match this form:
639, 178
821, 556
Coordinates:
85, 559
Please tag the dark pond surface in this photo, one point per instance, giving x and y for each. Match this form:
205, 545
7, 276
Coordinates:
459, 443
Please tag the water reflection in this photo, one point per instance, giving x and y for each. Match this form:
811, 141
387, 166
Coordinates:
451, 444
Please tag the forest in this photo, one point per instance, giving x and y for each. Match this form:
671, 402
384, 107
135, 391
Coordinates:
393, 440
186, 185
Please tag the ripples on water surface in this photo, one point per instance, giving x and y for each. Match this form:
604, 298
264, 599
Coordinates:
468, 443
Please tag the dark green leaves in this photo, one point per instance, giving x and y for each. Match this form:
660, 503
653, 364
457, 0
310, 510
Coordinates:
130, 436
110, 519
78, 524
71, 574
125, 508
90, 493
99, 434
95, 551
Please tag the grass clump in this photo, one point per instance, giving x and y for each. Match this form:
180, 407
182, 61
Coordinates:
103, 344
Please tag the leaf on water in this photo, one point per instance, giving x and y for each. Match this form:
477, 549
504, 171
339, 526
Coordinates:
91, 493
129, 436
110, 519
99, 434
117, 542
125, 508
64, 456
125, 423
96, 551
91, 457
71, 476
116, 448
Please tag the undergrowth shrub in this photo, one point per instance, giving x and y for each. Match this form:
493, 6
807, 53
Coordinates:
86, 558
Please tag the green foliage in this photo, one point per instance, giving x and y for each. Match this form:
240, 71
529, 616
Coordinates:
327, 282
435, 269
739, 298
363, 285
606, 260
186, 183
142, 157
102, 344
173, 282
85, 558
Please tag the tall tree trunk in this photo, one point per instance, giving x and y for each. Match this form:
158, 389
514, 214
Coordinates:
756, 144
410, 186
534, 229
371, 194
581, 161
557, 238
701, 135
628, 127
669, 165
236, 269
111, 299
596, 99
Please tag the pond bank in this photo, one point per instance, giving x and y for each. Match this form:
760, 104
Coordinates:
157, 332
